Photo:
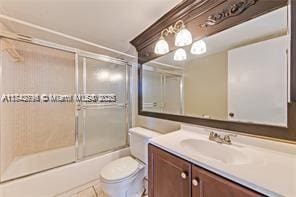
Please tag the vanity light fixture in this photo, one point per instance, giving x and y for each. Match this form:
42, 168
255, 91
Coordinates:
183, 37
180, 55
199, 47
161, 46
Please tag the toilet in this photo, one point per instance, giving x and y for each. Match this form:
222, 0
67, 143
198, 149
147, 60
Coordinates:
124, 177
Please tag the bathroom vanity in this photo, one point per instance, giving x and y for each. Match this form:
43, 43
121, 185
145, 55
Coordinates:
189, 179
187, 163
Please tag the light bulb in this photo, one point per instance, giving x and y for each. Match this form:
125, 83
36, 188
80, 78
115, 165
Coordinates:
180, 55
183, 38
161, 47
198, 47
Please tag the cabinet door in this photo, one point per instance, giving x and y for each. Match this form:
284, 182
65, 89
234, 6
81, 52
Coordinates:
207, 184
169, 176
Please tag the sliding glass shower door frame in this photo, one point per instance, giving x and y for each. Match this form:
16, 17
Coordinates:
82, 107
77, 54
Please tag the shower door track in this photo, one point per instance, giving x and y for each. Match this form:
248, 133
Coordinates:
80, 52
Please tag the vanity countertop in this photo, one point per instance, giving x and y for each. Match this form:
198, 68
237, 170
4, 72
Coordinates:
270, 170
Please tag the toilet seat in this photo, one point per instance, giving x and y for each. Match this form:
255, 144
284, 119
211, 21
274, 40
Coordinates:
120, 170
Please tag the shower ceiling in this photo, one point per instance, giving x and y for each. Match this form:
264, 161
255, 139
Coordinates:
111, 23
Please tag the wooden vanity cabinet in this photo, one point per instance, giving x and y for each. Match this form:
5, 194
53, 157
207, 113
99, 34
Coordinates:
171, 176
168, 176
207, 184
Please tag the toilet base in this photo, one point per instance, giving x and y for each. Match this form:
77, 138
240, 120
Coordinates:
135, 188
132, 187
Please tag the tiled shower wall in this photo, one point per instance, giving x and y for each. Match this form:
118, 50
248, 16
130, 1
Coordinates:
28, 128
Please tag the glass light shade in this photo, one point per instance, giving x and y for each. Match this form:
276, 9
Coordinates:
183, 38
161, 47
180, 55
198, 47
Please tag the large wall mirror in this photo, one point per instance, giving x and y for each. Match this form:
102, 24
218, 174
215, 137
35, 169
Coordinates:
239, 74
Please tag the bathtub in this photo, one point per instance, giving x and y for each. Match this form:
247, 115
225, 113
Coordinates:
56, 181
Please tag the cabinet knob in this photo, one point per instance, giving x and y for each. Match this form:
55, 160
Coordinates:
195, 182
183, 175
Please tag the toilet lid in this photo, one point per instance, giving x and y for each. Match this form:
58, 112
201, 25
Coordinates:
119, 169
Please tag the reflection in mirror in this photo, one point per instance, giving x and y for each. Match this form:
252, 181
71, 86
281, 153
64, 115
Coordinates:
239, 74
162, 89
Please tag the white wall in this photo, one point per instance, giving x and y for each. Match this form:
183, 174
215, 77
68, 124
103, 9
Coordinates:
257, 85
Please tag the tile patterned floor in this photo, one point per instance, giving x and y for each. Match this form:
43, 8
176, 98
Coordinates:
91, 189
92, 192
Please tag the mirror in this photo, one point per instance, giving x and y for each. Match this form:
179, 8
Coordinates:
241, 74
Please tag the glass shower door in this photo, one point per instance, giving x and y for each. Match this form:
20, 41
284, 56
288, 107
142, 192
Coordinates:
104, 124
38, 134
35, 136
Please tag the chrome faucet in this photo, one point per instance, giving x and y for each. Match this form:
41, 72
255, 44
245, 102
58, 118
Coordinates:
219, 139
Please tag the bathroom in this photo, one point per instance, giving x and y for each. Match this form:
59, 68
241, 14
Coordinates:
164, 98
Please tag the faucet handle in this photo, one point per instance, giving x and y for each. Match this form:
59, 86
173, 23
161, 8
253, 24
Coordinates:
213, 134
227, 138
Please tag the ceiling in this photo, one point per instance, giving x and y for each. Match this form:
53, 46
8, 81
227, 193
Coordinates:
110, 23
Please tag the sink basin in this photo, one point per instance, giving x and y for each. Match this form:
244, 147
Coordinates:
227, 154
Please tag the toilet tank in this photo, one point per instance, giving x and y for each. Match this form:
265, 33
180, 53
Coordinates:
139, 138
